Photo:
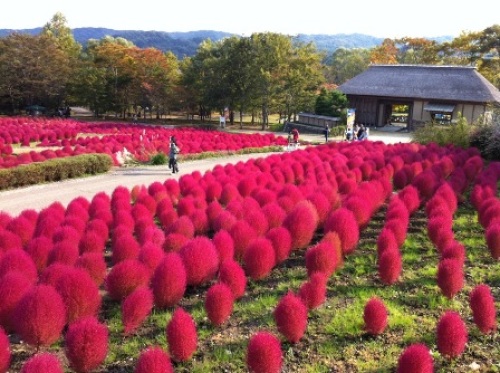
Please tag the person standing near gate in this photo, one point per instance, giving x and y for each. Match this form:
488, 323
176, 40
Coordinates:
326, 131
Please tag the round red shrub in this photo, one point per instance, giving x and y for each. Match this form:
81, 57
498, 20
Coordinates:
343, 222
22, 227
151, 255
125, 277
9, 240
242, 234
169, 281
224, 245
375, 316
233, 275
282, 243
482, 304
390, 265
313, 291
416, 358
275, 214
174, 242
264, 354
94, 264
321, 258
5, 354
454, 250
301, 222
86, 344
259, 258
200, 259
18, 260
386, 240
360, 208
493, 240
53, 273
124, 247
43, 362
409, 195
290, 316
154, 360
452, 335
258, 221
40, 316
13, 286
219, 303
182, 336
183, 225
65, 252
450, 277
136, 307
38, 248
400, 230
92, 241
222, 220
79, 293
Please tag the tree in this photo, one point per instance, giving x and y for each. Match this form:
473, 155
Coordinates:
33, 70
347, 63
386, 53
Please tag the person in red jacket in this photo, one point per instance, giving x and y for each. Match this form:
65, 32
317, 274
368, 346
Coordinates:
295, 134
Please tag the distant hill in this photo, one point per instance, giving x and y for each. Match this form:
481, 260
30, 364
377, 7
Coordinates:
186, 43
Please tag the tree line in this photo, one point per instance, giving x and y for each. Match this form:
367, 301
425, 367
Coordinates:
256, 75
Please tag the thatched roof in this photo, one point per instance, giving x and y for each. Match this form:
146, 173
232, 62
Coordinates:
443, 83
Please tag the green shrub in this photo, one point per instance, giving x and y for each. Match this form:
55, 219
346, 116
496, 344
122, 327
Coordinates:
338, 131
457, 134
54, 170
159, 159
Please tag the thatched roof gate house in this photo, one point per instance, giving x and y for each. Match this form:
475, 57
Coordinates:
429, 93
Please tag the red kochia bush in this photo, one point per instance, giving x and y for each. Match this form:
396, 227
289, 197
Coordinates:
264, 353
242, 233
313, 292
125, 247
151, 255
321, 258
40, 316
182, 337
224, 245
343, 222
86, 344
493, 240
38, 248
416, 359
390, 265
80, 294
290, 316
233, 275
282, 243
259, 258
94, 264
12, 288
169, 281
5, 354
125, 277
301, 222
18, 260
154, 360
136, 308
44, 362
482, 304
452, 335
450, 277
375, 316
200, 259
219, 303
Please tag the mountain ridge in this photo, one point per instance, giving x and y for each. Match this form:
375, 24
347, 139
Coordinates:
185, 44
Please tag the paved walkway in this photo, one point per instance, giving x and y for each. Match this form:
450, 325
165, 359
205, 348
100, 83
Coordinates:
38, 197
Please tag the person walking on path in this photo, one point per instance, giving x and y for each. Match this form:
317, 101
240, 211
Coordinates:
326, 131
172, 155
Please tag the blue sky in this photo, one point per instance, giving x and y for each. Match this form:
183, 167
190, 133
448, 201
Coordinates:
382, 18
